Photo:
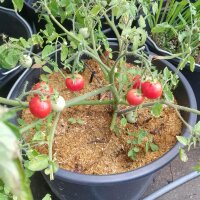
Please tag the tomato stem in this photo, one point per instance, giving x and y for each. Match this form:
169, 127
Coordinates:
51, 139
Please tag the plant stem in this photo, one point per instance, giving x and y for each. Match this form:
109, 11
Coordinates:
10, 102
112, 25
51, 140
175, 106
77, 100
28, 127
94, 102
114, 117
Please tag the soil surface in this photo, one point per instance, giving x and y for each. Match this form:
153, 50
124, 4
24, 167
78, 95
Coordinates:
90, 147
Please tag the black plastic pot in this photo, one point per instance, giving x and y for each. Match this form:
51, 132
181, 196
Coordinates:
124, 186
155, 49
12, 25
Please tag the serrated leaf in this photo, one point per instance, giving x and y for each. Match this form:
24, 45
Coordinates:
182, 140
47, 69
47, 51
154, 147
72, 120
38, 163
38, 136
168, 94
64, 52
96, 9
123, 121
18, 4
157, 109
44, 77
47, 197
154, 7
196, 128
142, 23
183, 155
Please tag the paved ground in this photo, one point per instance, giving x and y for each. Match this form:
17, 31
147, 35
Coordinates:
177, 169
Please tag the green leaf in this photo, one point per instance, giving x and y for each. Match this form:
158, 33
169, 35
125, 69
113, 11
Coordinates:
132, 154
154, 147
80, 121
142, 23
72, 120
182, 140
47, 51
96, 9
197, 168
192, 63
18, 4
196, 128
38, 163
154, 7
136, 149
168, 94
44, 77
47, 69
21, 122
142, 134
183, 155
156, 109
47, 197
124, 121
38, 136
64, 52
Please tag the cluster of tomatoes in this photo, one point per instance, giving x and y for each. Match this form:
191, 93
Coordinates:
140, 90
41, 104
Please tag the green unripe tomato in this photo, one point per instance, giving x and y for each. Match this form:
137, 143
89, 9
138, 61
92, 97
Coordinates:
26, 61
84, 32
59, 104
130, 117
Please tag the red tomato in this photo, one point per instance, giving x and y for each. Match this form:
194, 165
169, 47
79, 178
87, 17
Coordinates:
137, 82
152, 90
38, 108
76, 83
134, 97
47, 89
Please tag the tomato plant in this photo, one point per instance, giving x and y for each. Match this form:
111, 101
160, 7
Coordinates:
152, 90
39, 108
75, 83
134, 97
45, 88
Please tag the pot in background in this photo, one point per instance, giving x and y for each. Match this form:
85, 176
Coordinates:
124, 186
157, 50
12, 25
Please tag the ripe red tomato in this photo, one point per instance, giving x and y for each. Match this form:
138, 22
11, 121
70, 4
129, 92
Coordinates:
137, 82
39, 108
47, 89
76, 83
152, 90
134, 97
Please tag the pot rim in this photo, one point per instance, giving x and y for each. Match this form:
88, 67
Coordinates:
87, 179
15, 14
164, 51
